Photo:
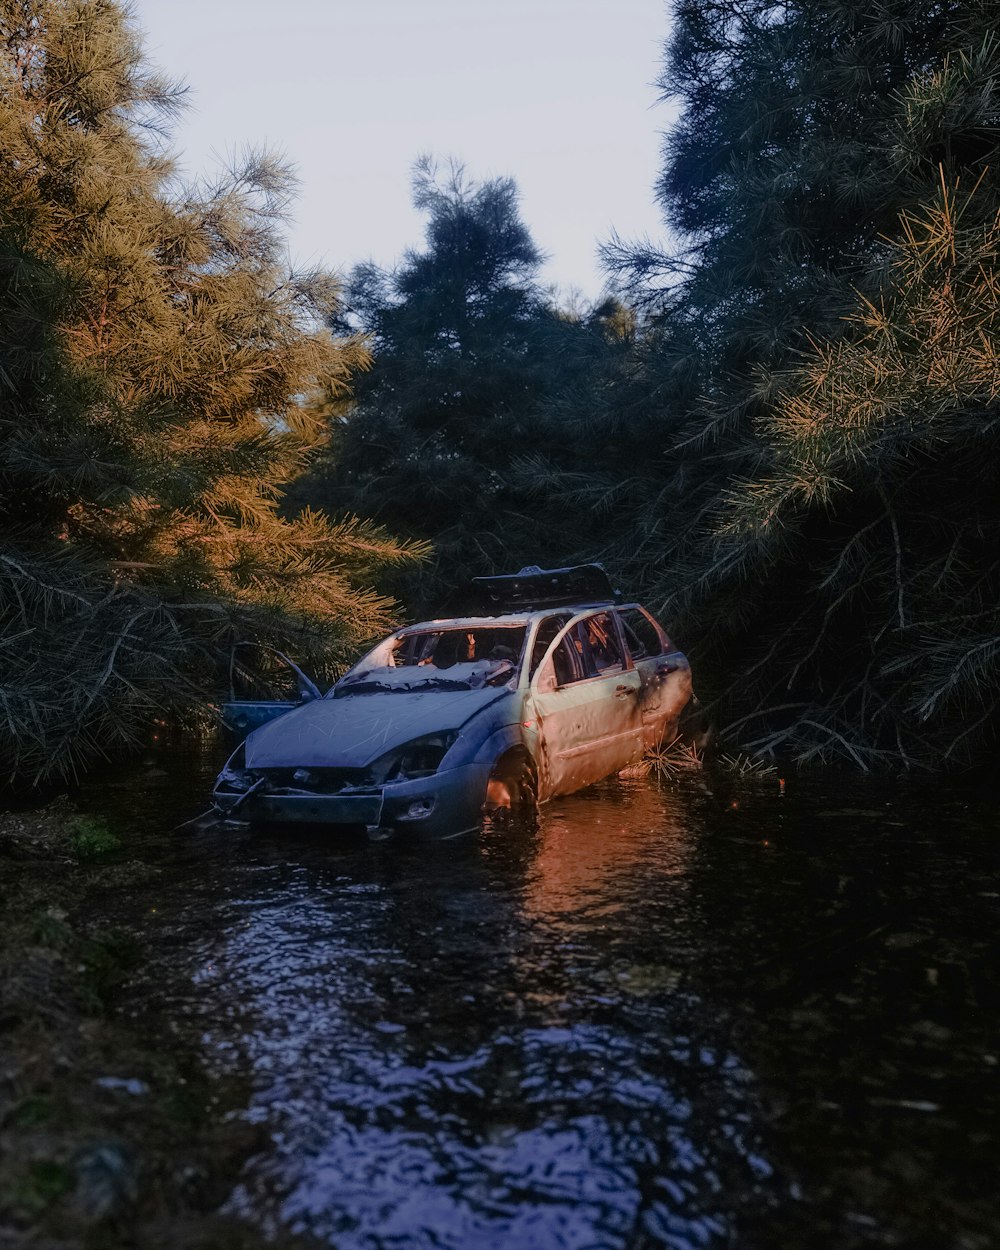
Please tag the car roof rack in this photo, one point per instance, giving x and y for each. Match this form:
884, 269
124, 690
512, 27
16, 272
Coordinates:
533, 588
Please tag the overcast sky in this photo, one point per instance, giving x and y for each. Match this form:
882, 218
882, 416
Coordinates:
556, 93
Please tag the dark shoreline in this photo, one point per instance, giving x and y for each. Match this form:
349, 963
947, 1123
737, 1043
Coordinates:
108, 1138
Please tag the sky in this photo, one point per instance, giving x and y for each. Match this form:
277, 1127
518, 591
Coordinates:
558, 94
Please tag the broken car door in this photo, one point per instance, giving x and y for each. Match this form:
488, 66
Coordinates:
661, 694
585, 702
241, 716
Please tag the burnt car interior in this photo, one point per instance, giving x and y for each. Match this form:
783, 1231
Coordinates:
465, 657
591, 648
444, 648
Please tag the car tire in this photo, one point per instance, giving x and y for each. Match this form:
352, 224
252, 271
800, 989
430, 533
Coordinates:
512, 790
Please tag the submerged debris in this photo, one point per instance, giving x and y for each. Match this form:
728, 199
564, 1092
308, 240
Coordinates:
681, 755
744, 765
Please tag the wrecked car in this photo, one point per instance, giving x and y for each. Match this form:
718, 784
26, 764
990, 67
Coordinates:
554, 686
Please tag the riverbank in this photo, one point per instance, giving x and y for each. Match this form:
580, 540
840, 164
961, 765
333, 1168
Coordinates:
108, 1138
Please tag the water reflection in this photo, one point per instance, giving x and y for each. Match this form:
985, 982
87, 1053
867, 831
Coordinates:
478, 1048
666, 1017
596, 849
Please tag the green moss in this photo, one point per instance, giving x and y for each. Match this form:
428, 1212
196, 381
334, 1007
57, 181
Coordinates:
52, 930
107, 958
92, 839
44, 1182
32, 1112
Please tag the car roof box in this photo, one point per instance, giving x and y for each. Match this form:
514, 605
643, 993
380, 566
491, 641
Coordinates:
533, 588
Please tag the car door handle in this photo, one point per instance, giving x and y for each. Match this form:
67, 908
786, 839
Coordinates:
622, 691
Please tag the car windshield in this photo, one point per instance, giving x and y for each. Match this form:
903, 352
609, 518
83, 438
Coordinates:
472, 675
442, 649
456, 658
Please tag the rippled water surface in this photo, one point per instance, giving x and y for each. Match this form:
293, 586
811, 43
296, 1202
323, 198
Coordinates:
702, 1015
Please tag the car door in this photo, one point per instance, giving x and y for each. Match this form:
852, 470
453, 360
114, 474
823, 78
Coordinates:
585, 704
665, 677
241, 716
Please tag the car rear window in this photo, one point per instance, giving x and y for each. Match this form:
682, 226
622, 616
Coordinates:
596, 639
640, 633
591, 648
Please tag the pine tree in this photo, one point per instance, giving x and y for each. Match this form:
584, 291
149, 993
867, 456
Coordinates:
777, 187
155, 353
874, 530
814, 138
466, 351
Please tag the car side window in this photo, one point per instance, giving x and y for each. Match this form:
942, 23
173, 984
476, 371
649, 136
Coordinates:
566, 663
591, 648
597, 642
640, 633
564, 666
547, 631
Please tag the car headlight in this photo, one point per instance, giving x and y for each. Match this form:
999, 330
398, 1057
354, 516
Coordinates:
235, 776
420, 758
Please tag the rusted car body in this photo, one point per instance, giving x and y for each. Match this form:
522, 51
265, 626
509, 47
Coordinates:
448, 716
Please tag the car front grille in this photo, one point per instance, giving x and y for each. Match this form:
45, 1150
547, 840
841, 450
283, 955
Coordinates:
316, 780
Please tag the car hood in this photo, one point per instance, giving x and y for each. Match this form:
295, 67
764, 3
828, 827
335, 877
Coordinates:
351, 732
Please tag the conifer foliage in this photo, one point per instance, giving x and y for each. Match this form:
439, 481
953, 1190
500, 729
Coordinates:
467, 354
834, 479
155, 353
878, 518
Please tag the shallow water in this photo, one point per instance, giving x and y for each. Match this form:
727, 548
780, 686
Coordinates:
697, 1015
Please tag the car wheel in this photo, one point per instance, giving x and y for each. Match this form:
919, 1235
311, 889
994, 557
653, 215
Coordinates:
511, 792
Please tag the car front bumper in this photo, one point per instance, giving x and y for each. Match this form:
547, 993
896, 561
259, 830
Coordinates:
447, 802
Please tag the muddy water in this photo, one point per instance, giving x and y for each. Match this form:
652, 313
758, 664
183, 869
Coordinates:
684, 1016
